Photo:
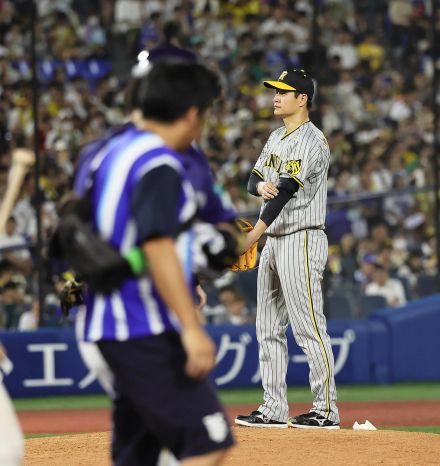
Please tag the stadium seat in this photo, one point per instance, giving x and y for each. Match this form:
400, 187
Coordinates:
370, 304
338, 306
211, 294
247, 282
337, 224
427, 285
405, 283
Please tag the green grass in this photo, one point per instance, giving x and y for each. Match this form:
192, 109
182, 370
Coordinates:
62, 402
428, 429
49, 435
397, 392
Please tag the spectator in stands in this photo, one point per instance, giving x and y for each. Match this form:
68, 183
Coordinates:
364, 275
382, 285
20, 258
235, 310
6, 271
398, 207
344, 48
13, 303
375, 107
385, 258
349, 263
380, 234
371, 51
2, 311
413, 268
429, 249
127, 15
28, 319
94, 35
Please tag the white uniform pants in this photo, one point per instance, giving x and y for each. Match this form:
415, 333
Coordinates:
289, 290
11, 437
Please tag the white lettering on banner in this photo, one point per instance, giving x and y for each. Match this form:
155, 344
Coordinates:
240, 352
344, 342
341, 358
87, 380
49, 379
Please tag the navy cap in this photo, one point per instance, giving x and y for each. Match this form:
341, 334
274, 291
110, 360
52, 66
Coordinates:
293, 80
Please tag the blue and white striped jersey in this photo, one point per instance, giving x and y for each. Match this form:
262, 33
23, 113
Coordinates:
118, 163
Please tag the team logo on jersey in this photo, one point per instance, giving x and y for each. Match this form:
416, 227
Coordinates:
293, 167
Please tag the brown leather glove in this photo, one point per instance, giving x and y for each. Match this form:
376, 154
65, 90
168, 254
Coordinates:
247, 260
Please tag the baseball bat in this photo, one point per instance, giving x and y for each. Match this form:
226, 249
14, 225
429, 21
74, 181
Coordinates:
22, 160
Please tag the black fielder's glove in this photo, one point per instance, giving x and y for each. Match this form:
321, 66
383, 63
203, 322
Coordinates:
71, 296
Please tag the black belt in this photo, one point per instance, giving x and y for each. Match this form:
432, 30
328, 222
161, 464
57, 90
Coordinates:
297, 231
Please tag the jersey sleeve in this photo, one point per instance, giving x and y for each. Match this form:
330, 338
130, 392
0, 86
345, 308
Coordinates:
319, 165
155, 201
259, 165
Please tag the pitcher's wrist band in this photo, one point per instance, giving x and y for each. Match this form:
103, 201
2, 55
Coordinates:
252, 186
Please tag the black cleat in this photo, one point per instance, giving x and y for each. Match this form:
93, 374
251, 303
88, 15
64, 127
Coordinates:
312, 420
256, 419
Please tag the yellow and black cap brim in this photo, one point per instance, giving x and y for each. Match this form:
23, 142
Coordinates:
278, 85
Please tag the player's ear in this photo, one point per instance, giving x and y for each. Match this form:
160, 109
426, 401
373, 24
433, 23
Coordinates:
303, 99
192, 123
192, 115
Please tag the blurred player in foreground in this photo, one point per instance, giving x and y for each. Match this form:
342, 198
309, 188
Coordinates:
141, 196
11, 437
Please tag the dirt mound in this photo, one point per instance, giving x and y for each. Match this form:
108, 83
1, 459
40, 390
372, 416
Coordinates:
69, 450
263, 447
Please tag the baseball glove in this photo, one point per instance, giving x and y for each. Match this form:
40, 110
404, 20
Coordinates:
247, 260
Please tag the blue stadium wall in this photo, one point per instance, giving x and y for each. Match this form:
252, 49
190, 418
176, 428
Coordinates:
393, 345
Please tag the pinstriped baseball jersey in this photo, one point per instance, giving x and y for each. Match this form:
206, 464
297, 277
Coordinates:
304, 155
290, 272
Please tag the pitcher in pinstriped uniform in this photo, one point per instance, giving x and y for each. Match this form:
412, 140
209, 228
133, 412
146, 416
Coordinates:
291, 176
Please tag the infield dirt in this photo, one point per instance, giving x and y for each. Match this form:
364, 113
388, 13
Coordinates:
280, 447
256, 447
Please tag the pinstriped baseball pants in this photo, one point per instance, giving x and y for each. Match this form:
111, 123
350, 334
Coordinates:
289, 290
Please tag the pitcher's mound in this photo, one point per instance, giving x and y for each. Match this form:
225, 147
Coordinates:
259, 447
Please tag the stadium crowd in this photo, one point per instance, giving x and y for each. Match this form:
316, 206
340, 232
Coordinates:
372, 60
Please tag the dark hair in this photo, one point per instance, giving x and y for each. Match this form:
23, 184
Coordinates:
5, 265
171, 89
162, 53
171, 30
11, 285
379, 266
309, 101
